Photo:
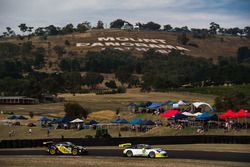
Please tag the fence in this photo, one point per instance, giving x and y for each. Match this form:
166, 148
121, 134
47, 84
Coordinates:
134, 140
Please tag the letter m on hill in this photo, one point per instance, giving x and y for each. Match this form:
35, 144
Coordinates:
106, 39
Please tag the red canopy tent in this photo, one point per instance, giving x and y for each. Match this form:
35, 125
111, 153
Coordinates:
170, 113
242, 113
229, 114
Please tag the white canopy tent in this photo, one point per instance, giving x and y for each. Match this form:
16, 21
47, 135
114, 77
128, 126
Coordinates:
188, 114
201, 105
77, 120
197, 114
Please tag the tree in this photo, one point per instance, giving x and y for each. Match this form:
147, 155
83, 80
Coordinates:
123, 74
72, 81
40, 31
168, 27
23, 27
75, 110
242, 54
59, 50
151, 26
68, 29
91, 79
111, 84
82, 27
214, 27
100, 25
182, 39
52, 30
39, 57
117, 23
27, 47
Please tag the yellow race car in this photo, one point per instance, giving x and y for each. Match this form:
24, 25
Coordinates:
67, 148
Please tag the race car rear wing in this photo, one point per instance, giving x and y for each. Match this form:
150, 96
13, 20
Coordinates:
125, 145
48, 143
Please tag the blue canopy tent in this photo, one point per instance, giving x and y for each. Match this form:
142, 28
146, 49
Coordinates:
63, 120
21, 117
122, 121
12, 117
203, 116
135, 121
44, 119
92, 122
115, 120
147, 122
132, 105
154, 105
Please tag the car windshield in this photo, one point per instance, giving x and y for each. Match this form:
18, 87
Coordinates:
146, 146
69, 144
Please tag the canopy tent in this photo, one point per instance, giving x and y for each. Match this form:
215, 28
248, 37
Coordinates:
132, 105
12, 117
189, 114
77, 120
92, 122
197, 114
179, 103
44, 119
228, 114
154, 105
215, 118
21, 117
202, 104
169, 113
203, 116
147, 122
62, 120
136, 121
16, 117
242, 113
119, 121
178, 116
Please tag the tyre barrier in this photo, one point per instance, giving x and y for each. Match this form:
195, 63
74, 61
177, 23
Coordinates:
27, 143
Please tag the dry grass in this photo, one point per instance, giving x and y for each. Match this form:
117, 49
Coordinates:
41, 161
106, 102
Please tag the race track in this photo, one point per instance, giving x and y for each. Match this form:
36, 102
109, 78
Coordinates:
175, 154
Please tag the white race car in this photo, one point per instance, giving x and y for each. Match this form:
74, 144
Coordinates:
143, 150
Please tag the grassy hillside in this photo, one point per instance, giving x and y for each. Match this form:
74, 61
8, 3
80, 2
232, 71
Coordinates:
209, 48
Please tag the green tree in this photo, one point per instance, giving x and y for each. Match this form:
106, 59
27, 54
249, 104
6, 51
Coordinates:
213, 28
182, 39
91, 79
151, 26
100, 25
59, 50
68, 29
117, 23
123, 74
111, 84
23, 27
82, 27
168, 27
39, 57
75, 110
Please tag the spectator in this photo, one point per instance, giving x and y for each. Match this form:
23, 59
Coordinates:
30, 131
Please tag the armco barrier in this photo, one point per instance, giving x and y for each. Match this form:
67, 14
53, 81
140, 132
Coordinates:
115, 141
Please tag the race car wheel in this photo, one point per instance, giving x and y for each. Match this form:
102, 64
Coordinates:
151, 155
74, 151
52, 151
129, 154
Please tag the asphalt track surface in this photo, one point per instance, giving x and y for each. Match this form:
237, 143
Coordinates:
173, 154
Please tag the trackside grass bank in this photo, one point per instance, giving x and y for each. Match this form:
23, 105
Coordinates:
41, 161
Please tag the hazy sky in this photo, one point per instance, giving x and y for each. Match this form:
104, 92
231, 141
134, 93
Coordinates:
193, 13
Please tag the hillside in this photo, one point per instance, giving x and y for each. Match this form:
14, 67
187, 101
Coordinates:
132, 40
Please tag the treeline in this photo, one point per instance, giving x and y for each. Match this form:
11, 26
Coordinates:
214, 29
158, 71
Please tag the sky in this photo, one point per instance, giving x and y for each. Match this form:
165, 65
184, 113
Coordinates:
178, 13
